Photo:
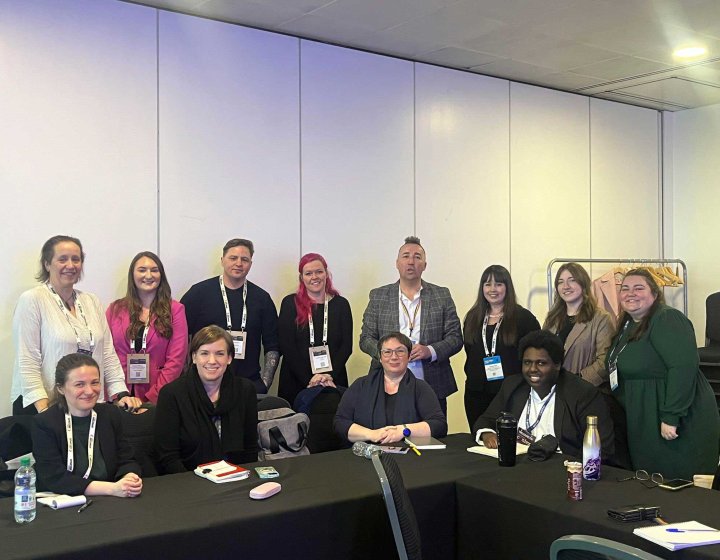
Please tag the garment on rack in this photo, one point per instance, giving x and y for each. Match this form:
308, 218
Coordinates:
606, 290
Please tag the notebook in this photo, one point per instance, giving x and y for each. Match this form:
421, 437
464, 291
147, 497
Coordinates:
680, 535
222, 471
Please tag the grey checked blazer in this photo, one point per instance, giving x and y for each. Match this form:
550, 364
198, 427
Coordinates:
439, 328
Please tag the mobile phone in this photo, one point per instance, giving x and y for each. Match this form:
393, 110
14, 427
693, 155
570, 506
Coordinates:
675, 484
267, 472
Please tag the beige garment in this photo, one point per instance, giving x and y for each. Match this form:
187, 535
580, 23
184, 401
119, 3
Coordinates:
586, 347
606, 290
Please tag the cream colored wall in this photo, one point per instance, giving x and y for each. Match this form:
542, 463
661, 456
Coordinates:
204, 131
696, 203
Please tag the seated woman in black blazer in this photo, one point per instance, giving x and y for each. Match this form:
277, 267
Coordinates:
205, 415
62, 433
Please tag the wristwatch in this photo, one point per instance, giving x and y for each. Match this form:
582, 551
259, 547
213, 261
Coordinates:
406, 431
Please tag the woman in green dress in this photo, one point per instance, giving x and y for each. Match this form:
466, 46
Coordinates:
672, 417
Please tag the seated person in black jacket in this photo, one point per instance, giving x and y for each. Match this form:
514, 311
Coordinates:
380, 406
62, 433
546, 399
205, 415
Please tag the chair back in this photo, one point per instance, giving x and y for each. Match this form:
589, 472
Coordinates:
586, 547
712, 320
321, 410
138, 431
269, 402
399, 507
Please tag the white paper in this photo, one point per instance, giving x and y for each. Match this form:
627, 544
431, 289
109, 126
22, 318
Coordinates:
14, 464
62, 501
680, 535
482, 450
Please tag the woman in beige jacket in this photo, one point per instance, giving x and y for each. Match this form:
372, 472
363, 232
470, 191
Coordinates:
585, 329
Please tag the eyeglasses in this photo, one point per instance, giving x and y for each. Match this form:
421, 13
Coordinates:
646, 479
399, 352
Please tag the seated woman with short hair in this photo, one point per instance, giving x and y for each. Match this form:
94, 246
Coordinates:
205, 415
380, 406
64, 461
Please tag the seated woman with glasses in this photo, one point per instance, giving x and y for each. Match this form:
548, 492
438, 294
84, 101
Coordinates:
390, 404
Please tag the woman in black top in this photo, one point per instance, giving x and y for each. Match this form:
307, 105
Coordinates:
65, 464
504, 322
315, 292
205, 415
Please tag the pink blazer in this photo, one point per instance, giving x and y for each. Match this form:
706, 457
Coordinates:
167, 356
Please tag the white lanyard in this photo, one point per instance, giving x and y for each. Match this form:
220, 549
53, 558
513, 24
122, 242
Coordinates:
490, 352
325, 325
68, 317
144, 338
90, 443
411, 321
227, 306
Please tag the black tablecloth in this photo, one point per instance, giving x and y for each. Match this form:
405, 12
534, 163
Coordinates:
518, 512
331, 507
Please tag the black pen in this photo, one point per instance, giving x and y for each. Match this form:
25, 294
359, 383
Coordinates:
85, 506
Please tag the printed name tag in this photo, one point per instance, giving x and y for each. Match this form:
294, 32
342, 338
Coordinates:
493, 368
320, 359
524, 437
613, 376
239, 341
138, 368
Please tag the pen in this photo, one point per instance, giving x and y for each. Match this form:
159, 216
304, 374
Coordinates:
413, 447
85, 506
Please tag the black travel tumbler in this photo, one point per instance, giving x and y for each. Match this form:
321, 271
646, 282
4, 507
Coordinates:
506, 427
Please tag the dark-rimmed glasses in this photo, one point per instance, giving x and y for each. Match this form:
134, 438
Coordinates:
646, 479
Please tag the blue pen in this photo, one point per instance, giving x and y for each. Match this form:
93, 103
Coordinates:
676, 530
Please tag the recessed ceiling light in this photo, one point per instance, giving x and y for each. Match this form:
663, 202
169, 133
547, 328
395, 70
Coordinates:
689, 52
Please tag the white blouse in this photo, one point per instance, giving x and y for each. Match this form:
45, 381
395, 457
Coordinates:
42, 334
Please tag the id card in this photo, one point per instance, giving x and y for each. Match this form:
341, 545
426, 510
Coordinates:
320, 359
267, 472
239, 340
493, 368
613, 376
84, 351
138, 368
524, 437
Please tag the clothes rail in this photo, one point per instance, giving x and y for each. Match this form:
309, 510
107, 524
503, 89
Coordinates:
553, 262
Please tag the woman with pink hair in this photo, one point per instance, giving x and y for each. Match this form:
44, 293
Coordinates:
316, 331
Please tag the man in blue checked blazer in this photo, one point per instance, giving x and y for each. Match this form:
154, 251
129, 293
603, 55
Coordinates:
422, 311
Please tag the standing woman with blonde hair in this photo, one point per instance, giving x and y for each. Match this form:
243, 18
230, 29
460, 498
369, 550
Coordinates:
585, 329
149, 329
492, 329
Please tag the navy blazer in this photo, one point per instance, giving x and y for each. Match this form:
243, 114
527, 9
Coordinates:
50, 450
575, 400
439, 328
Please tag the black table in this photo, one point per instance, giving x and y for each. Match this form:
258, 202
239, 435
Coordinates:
518, 512
331, 507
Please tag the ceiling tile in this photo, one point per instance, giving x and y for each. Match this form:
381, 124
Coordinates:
681, 91
513, 69
380, 14
457, 58
318, 27
568, 81
642, 101
567, 56
620, 67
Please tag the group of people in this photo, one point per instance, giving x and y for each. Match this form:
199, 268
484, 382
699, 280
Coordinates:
71, 356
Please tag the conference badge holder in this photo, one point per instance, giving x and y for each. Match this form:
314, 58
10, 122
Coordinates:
493, 368
320, 359
138, 368
239, 342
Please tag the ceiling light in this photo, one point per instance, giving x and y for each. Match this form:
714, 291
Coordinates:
690, 52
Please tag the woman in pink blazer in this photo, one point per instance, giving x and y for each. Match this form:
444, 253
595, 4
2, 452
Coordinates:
149, 329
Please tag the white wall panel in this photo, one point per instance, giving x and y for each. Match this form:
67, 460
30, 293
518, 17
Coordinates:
549, 186
357, 169
696, 204
77, 142
462, 187
229, 149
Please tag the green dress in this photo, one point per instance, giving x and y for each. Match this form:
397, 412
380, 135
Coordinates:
659, 380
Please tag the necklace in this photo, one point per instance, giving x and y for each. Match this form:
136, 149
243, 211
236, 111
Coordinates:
495, 316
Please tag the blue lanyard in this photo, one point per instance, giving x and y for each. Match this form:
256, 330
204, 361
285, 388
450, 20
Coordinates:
528, 427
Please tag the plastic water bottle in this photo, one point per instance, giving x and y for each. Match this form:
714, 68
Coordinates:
591, 450
25, 492
367, 450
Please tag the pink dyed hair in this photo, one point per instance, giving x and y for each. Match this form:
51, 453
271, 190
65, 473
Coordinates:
303, 303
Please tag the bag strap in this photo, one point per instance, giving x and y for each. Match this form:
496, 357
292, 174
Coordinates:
277, 439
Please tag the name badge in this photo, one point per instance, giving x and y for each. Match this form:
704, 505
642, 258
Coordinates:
613, 376
524, 437
84, 351
239, 340
320, 359
493, 368
138, 368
